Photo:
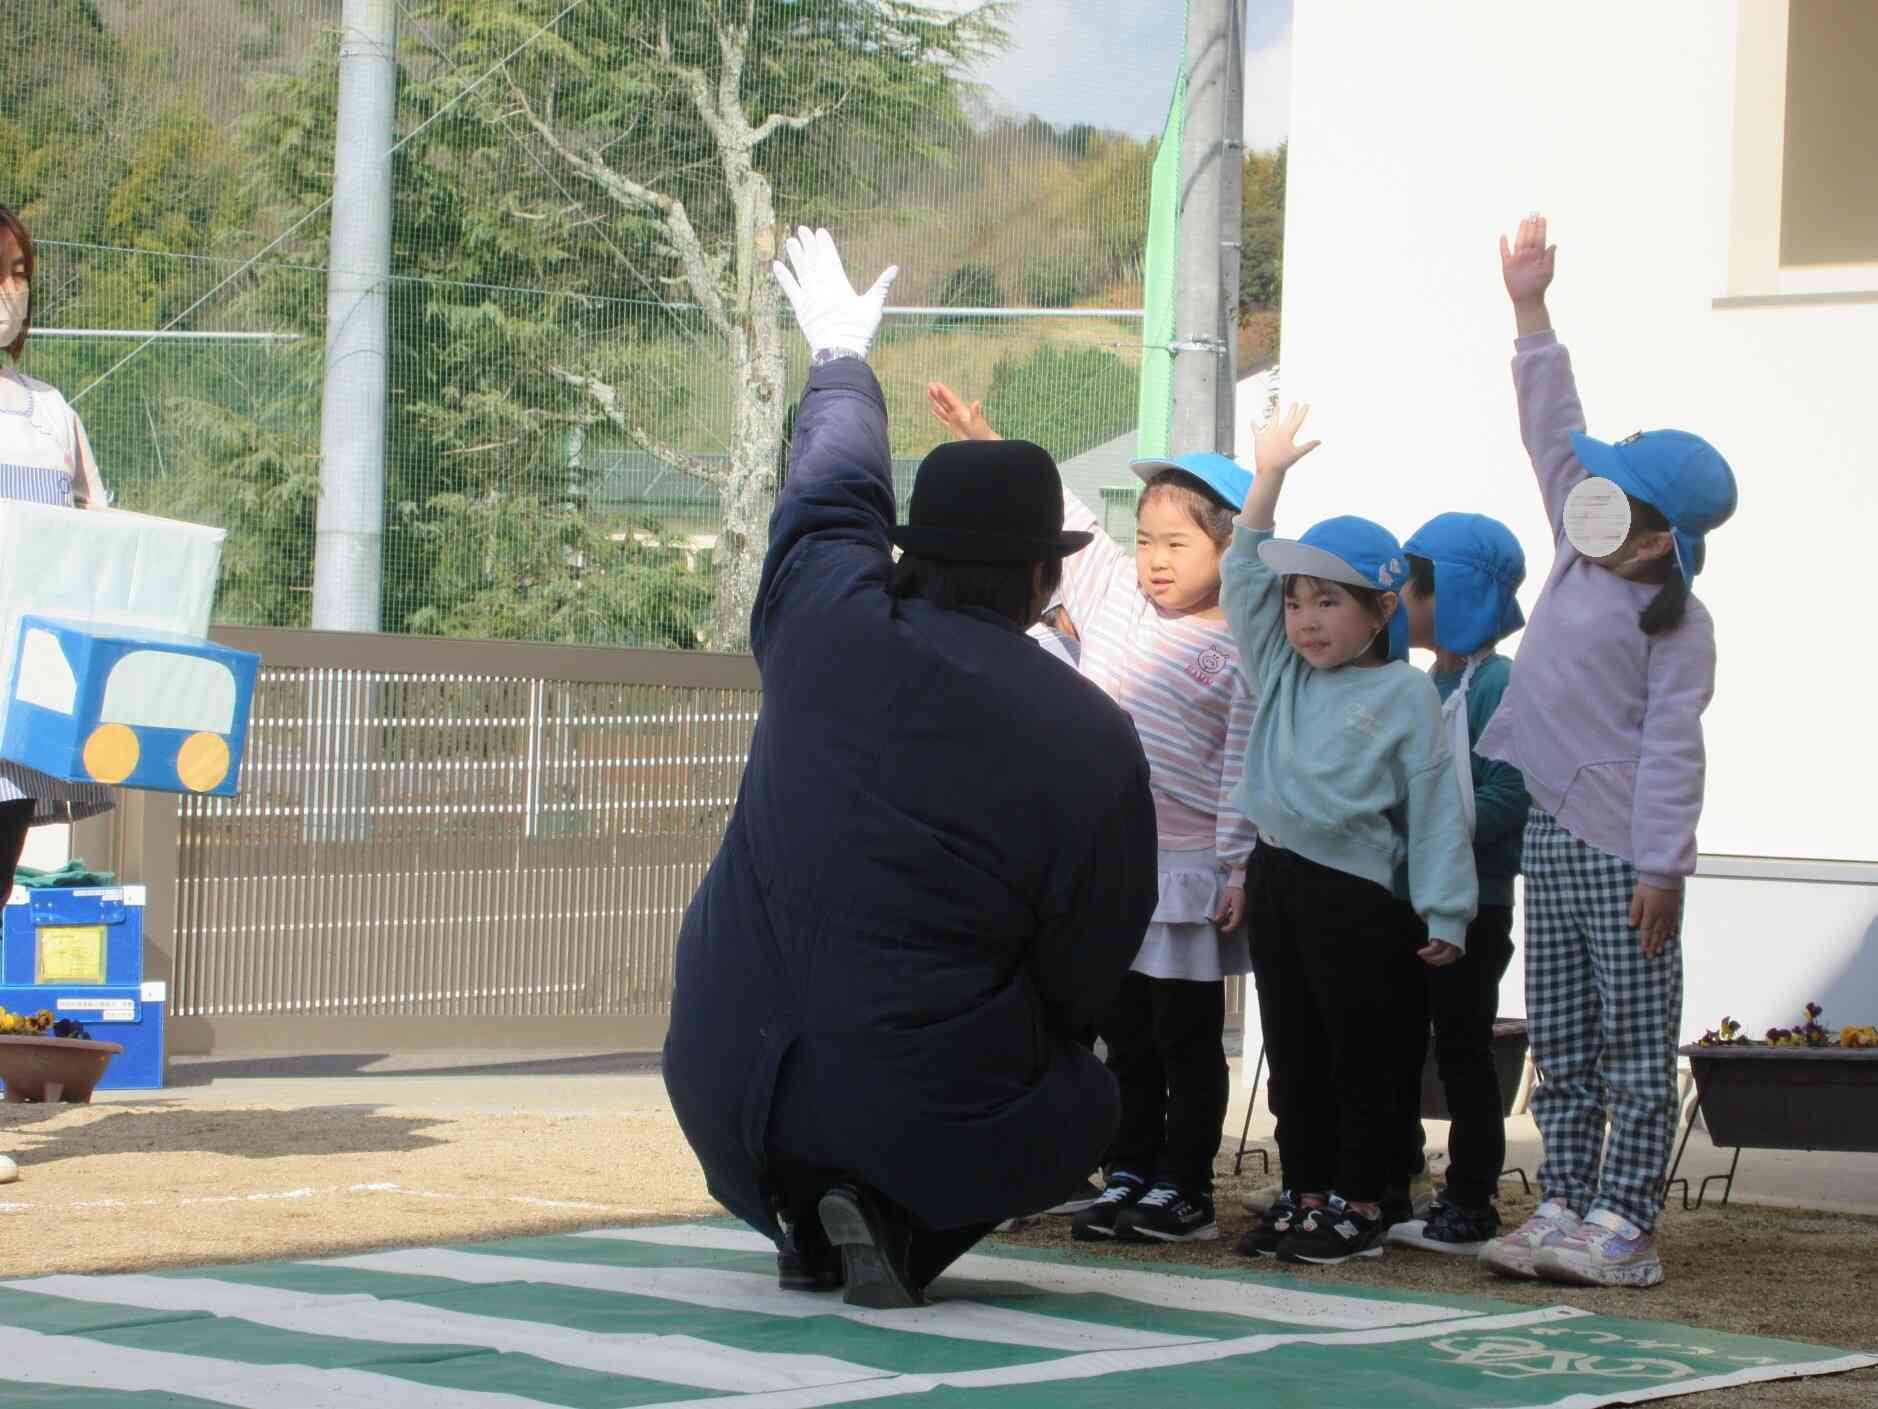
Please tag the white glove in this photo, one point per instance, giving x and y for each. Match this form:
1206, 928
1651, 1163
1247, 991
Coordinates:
830, 313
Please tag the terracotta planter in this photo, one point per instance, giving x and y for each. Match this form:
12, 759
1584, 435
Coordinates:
1509, 1057
1788, 1098
53, 1068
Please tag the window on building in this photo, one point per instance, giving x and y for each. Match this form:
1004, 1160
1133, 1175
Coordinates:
1829, 165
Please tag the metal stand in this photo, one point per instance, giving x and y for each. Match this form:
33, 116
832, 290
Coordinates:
1701, 1192
1252, 1095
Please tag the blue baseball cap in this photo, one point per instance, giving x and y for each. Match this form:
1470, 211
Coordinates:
1481, 566
1354, 551
1680, 475
1222, 474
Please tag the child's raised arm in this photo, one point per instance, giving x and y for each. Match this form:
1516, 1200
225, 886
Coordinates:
1249, 592
965, 420
1549, 410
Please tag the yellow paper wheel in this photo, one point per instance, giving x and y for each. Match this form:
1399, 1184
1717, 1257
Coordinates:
202, 762
111, 753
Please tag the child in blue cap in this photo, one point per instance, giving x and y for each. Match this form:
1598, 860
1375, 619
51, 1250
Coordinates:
1348, 778
1604, 720
1152, 635
1464, 572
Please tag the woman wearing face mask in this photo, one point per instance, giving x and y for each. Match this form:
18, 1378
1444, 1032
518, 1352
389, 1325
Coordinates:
44, 459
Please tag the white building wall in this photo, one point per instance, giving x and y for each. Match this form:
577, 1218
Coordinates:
1419, 134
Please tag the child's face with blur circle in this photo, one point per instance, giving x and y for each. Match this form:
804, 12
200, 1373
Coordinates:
1176, 561
1329, 625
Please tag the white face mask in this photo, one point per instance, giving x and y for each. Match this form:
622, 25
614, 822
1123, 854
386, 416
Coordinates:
13, 305
1597, 517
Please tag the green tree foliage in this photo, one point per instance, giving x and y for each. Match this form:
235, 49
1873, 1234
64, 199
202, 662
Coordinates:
1047, 397
1262, 232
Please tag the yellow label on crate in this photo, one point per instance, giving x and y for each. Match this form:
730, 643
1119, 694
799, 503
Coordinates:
71, 954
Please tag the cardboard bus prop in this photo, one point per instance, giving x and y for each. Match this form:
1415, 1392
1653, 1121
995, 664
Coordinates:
110, 675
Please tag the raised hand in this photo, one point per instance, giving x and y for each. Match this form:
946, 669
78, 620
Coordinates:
830, 313
1275, 444
966, 422
1527, 264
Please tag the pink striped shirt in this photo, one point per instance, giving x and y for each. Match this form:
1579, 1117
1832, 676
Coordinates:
1180, 681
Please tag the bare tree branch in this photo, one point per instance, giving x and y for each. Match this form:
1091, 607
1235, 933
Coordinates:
606, 396
628, 192
776, 122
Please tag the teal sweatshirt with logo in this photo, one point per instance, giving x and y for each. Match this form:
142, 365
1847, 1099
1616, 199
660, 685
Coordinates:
1348, 768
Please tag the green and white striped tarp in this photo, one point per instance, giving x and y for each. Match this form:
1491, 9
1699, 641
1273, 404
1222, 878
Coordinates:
685, 1313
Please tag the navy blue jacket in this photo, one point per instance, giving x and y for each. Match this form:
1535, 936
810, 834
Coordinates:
941, 863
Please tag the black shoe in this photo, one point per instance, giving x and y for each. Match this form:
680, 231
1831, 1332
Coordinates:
1263, 1237
1085, 1196
1450, 1228
874, 1248
1165, 1215
1097, 1222
1397, 1206
1332, 1234
805, 1260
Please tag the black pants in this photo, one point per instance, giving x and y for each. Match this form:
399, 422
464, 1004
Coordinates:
1167, 1052
16, 818
1461, 1001
1332, 956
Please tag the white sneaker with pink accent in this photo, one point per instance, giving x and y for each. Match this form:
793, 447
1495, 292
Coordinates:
1608, 1250
1511, 1254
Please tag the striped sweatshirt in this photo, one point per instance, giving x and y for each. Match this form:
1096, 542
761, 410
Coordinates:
1180, 681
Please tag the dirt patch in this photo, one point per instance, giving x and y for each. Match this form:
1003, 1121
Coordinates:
122, 1187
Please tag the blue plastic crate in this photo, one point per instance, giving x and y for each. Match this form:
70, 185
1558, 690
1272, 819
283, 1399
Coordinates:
78, 953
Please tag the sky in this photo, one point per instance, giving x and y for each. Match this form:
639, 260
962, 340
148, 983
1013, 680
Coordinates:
1111, 63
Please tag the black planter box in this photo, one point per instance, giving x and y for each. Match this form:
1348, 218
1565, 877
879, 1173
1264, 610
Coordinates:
1788, 1098
1509, 1056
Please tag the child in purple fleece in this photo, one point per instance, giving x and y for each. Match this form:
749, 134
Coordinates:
1604, 720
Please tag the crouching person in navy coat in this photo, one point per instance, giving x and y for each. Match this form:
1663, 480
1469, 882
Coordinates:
939, 868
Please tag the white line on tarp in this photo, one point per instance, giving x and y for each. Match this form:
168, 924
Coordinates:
753, 1292
674, 1359
1218, 1295
1116, 1362
82, 1363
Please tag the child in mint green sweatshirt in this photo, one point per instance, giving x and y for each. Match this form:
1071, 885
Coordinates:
1347, 776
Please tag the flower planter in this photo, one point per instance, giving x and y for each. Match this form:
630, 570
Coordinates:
1788, 1098
1509, 1056
53, 1068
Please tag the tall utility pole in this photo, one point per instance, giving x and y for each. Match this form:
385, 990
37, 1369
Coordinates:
348, 561
1211, 189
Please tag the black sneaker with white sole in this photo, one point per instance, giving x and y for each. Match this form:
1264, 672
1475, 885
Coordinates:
1165, 1215
1332, 1234
1096, 1223
1397, 1206
1449, 1228
1264, 1236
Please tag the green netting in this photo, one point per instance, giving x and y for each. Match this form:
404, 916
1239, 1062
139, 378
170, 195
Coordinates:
585, 416
1159, 264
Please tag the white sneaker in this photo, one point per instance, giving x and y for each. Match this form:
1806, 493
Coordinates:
1511, 1254
1608, 1250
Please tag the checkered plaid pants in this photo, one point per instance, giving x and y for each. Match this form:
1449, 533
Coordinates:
1603, 1022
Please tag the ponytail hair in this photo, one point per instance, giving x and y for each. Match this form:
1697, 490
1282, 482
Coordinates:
1665, 610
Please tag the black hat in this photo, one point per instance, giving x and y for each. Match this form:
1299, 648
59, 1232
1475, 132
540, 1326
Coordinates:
988, 501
